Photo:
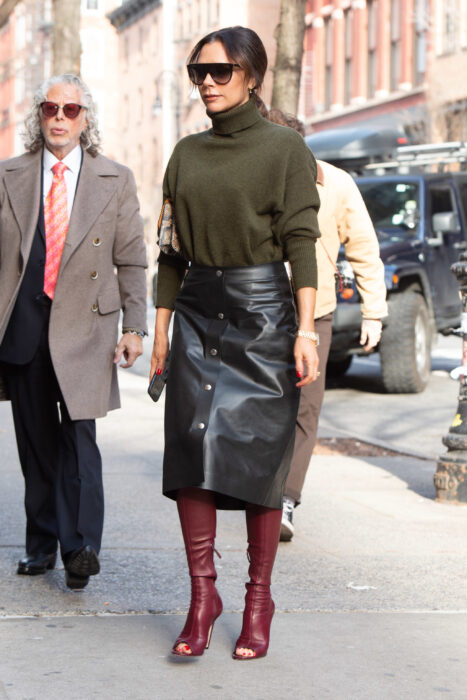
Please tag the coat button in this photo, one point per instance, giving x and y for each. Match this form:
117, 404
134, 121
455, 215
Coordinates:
221, 316
219, 273
94, 308
207, 387
94, 275
97, 242
213, 352
200, 426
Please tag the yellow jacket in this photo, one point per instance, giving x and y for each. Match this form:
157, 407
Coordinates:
344, 219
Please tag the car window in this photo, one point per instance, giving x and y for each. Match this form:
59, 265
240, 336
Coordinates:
463, 197
394, 207
441, 200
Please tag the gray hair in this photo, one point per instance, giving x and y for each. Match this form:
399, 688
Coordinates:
90, 138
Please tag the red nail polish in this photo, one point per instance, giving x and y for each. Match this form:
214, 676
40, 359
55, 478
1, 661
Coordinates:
299, 375
158, 372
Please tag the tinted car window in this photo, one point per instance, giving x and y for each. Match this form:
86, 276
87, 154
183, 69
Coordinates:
393, 207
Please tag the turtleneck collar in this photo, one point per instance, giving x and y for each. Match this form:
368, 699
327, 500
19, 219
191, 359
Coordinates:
237, 119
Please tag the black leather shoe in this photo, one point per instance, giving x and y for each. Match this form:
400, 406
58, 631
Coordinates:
35, 564
79, 566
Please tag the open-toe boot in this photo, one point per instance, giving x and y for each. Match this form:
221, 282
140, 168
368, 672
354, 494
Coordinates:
197, 511
263, 527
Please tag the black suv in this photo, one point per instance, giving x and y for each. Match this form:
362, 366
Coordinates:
421, 223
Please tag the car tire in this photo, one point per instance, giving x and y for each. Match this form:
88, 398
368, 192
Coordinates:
405, 347
337, 368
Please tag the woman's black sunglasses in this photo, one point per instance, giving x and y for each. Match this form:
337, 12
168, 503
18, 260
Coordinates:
221, 73
70, 109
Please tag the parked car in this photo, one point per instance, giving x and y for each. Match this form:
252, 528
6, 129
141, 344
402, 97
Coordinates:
421, 223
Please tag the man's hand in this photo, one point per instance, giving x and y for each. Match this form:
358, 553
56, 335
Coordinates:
370, 333
131, 347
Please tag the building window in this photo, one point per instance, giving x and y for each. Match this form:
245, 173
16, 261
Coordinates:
126, 50
328, 63
394, 68
90, 5
450, 25
348, 41
419, 42
372, 19
140, 105
141, 37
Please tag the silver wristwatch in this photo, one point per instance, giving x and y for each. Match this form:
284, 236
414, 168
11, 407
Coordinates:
311, 335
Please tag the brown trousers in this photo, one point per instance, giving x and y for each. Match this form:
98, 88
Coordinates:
311, 398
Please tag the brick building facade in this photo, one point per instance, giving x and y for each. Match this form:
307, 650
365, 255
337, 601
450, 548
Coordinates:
365, 61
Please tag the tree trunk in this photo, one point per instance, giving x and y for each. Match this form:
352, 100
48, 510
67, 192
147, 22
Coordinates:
66, 42
6, 8
289, 37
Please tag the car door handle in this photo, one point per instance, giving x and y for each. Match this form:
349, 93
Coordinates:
460, 245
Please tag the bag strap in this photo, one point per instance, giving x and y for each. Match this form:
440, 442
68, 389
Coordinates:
336, 269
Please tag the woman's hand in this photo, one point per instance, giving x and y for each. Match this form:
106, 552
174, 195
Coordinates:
161, 341
306, 361
306, 355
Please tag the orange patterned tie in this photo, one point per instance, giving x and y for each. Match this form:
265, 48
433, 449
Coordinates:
56, 227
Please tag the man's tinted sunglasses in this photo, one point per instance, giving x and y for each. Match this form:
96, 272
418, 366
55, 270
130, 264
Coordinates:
221, 73
70, 109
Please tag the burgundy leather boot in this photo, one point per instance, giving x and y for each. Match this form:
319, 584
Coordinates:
263, 528
197, 511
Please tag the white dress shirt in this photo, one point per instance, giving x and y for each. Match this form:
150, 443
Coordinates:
73, 163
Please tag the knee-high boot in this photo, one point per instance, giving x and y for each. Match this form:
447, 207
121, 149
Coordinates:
263, 527
197, 511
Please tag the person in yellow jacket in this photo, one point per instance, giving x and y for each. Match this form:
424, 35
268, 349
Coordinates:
343, 220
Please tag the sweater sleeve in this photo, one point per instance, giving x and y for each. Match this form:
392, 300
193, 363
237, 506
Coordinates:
297, 225
172, 269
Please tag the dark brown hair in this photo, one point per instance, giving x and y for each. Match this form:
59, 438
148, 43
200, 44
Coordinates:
242, 46
284, 119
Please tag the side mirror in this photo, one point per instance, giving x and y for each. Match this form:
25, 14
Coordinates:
442, 222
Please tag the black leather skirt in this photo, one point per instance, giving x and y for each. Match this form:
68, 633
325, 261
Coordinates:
231, 401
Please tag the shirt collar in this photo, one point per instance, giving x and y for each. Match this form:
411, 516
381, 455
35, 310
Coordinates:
72, 160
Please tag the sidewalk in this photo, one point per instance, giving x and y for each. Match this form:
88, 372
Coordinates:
371, 594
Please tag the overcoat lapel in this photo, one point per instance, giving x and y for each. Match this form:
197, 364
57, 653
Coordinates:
23, 184
95, 189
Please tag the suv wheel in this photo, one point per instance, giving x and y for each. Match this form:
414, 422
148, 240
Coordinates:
405, 347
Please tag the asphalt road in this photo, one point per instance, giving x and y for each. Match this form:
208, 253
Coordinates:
370, 594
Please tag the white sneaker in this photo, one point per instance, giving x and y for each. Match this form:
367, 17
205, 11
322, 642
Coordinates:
287, 526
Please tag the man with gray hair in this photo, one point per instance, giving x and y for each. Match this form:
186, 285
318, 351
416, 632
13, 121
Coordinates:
72, 256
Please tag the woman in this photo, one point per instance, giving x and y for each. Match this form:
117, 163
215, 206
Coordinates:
243, 199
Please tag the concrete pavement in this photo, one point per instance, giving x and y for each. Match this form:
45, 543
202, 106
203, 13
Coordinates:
371, 593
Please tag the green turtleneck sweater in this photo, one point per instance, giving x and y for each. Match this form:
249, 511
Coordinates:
243, 193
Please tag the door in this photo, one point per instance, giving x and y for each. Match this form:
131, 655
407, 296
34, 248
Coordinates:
444, 287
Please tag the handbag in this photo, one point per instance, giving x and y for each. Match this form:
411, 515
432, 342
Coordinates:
168, 239
158, 381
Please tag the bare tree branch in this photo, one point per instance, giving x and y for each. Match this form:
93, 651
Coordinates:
289, 36
6, 8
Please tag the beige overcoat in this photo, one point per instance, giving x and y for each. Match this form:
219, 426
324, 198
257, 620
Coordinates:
102, 271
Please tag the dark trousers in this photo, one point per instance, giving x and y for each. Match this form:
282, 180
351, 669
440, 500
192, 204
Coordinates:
311, 398
59, 457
